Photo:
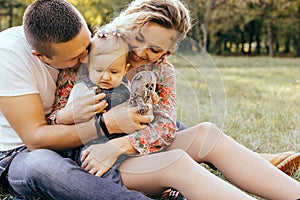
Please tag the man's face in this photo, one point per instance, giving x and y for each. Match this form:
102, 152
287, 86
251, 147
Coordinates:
68, 54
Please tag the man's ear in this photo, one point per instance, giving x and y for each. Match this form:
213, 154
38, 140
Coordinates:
39, 56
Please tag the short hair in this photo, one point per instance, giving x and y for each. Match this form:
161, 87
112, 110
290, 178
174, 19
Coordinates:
50, 21
170, 14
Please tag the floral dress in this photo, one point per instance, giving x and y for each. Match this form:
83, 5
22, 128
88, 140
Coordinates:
161, 131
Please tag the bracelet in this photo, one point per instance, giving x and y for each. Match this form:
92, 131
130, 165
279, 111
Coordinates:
100, 124
97, 125
52, 118
103, 126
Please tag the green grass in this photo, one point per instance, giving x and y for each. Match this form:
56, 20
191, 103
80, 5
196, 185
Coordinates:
253, 99
256, 101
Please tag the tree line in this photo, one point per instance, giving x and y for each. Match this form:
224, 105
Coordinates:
222, 27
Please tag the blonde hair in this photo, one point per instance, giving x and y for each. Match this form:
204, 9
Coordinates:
107, 45
171, 14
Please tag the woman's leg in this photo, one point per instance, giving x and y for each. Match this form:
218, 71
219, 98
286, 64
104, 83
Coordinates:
246, 169
153, 173
288, 162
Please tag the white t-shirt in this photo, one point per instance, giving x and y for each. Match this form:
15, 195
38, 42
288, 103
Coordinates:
79, 90
21, 73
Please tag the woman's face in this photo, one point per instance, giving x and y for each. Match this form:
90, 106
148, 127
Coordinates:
149, 43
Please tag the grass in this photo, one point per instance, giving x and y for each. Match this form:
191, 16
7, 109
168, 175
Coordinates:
255, 100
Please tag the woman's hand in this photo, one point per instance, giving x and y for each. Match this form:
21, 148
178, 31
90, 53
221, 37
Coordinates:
82, 109
98, 159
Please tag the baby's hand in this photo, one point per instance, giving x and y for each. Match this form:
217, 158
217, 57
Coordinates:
155, 98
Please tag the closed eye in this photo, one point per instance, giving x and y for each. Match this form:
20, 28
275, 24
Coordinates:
155, 50
139, 39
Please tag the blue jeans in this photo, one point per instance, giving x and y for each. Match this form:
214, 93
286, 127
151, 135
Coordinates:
45, 174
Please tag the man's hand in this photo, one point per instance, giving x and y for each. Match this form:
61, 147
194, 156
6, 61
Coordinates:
82, 109
124, 119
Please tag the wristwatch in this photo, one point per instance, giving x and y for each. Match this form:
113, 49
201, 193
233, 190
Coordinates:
52, 119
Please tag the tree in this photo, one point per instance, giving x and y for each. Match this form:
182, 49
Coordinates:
98, 12
10, 13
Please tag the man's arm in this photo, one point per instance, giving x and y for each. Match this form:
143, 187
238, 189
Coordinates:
26, 115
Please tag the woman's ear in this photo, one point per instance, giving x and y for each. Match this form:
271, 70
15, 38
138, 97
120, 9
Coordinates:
164, 56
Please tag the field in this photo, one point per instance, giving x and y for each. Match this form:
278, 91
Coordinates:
255, 100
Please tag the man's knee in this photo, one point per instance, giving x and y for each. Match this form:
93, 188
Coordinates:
34, 163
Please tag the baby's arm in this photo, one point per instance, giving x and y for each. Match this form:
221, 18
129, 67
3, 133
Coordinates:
82, 105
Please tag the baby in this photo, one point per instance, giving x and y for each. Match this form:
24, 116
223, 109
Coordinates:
104, 73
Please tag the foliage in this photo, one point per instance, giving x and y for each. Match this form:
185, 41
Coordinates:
220, 26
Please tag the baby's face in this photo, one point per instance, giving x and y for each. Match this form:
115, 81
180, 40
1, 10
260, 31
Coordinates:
107, 70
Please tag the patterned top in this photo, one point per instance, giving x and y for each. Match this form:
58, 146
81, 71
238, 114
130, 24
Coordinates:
161, 131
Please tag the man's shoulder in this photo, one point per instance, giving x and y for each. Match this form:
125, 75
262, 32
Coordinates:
12, 33
13, 40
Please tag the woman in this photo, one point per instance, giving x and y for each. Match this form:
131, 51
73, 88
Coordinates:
178, 166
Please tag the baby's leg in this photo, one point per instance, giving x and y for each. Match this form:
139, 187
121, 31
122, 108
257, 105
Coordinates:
152, 174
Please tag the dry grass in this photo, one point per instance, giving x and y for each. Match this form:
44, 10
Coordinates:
255, 99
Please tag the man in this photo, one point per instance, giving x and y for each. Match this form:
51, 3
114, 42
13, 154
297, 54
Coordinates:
54, 36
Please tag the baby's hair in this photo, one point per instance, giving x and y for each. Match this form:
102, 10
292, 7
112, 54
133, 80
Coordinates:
107, 45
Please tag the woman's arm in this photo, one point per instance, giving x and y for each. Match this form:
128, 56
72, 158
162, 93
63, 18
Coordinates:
161, 131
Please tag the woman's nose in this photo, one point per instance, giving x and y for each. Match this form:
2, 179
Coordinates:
142, 52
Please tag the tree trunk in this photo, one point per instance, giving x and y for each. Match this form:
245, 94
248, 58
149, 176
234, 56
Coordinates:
205, 36
298, 39
258, 46
10, 13
287, 44
270, 40
243, 42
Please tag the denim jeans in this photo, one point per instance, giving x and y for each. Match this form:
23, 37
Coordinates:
45, 174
